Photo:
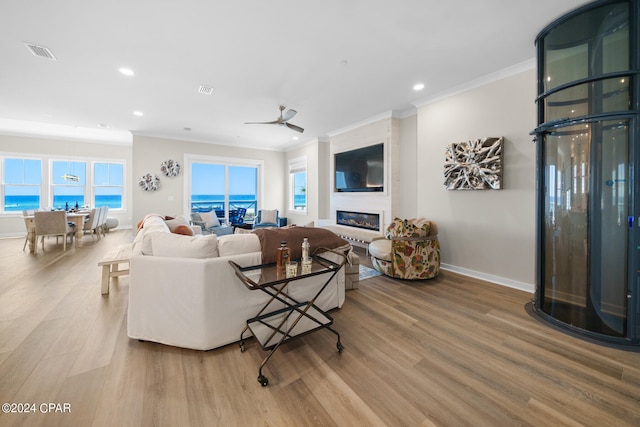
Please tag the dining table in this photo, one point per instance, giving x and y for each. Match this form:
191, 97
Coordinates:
77, 218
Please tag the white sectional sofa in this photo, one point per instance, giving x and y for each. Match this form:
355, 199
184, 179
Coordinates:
184, 293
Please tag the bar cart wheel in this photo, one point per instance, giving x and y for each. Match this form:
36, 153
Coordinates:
242, 349
340, 347
264, 381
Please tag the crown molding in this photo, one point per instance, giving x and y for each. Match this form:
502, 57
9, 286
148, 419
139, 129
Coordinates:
63, 132
521, 67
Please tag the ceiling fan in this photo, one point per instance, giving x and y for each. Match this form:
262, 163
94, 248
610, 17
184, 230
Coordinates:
283, 120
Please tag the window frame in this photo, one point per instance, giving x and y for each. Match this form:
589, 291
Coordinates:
3, 184
296, 166
53, 185
46, 185
190, 159
92, 185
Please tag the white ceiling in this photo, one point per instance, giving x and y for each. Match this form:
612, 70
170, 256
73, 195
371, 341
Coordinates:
336, 62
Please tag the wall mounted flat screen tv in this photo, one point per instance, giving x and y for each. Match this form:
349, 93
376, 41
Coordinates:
360, 170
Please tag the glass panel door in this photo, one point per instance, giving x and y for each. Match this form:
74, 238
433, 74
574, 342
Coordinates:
586, 208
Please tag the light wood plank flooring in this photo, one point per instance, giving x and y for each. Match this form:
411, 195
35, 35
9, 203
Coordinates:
448, 352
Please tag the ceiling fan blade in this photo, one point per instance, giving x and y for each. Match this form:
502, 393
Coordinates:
275, 122
294, 127
289, 115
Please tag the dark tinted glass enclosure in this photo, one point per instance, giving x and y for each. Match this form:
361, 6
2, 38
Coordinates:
588, 165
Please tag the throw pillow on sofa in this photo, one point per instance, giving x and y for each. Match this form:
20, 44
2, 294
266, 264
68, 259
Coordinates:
180, 246
210, 219
185, 230
178, 221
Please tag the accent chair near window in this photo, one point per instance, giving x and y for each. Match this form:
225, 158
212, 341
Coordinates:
210, 224
267, 218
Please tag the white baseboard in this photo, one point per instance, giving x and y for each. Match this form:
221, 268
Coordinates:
527, 287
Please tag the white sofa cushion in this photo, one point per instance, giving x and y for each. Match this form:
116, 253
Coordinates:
180, 246
152, 224
381, 249
233, 244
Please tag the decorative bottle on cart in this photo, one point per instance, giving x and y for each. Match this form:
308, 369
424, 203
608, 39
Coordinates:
306, 259
282, 257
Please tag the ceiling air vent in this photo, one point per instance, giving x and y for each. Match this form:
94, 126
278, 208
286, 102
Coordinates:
205, 90
40, 51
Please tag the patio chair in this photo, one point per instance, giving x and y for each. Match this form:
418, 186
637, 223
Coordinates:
267, 218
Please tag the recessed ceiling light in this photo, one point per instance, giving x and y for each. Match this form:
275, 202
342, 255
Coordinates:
126, 71
138, 113
186, 129
418, 86
295, 138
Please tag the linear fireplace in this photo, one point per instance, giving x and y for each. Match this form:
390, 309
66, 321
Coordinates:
368, 221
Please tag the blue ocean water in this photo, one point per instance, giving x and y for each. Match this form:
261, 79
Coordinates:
20, 203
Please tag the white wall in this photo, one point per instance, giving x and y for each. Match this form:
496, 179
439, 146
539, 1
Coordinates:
408, 189
150, 152
489, 233
12, 223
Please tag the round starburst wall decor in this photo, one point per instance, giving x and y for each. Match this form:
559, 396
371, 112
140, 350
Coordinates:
170, 168
149, 182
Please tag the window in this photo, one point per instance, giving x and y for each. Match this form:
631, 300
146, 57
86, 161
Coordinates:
55, 183
68, 182
298, 184
243, 189
108, 184
221, 185
22, 180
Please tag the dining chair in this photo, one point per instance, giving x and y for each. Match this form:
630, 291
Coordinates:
102, 223
26, 214
53, 224
92, 222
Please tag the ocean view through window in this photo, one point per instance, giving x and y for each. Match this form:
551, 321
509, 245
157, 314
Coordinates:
107, 185
68, 182
224, 188
29, 184
298, 184
21, 183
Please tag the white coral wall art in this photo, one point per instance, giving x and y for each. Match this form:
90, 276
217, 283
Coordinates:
149, 182
474, 165
170, 168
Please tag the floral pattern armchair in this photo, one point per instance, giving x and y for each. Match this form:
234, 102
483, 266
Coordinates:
410, 250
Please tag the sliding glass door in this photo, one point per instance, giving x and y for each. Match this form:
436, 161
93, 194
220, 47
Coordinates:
224, 187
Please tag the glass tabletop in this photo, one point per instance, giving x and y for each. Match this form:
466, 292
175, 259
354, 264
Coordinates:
270, 274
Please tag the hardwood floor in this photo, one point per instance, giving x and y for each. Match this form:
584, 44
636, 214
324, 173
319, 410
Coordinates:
452, 351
